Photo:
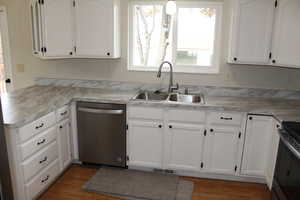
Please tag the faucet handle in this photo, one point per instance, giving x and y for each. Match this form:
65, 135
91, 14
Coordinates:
176, 87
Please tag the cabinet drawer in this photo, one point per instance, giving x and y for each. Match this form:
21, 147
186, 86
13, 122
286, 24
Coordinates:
37, 126
38, 142
62, 113
186, 116
145, 113
42, 180
225, 118
40, 161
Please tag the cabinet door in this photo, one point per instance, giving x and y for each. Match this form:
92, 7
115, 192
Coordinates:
35, 10
64, 143
94, 28
286, 44
57, 28
145, 144
222, 150
184, 146
252, 31
272, 155
257, 143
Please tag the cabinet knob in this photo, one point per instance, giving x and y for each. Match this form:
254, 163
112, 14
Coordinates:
170, 126
71, 53
8, 80
159, 126
250, 118
108, 54
274, 61
211, 130
235, 59
60, 127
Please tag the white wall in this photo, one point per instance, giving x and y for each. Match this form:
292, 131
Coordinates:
237, 76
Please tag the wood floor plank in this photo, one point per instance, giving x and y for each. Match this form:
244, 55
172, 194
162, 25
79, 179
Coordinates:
69, 187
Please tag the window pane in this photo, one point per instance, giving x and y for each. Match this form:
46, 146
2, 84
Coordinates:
196, 31
151, 35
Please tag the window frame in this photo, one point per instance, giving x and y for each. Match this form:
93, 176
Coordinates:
196, 69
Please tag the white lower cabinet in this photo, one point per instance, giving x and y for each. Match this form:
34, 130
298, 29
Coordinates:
40, 151
222, 150
257, 145
184, 146
64, 143
145, 143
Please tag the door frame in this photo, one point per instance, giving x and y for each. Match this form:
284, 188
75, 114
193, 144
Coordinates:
6, 48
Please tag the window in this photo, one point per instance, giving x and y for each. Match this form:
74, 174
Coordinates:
190, 39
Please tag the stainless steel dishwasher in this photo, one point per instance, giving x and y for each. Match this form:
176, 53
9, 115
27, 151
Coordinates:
102, 133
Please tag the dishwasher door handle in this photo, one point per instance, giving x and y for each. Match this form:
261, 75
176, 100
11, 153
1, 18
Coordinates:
100, 111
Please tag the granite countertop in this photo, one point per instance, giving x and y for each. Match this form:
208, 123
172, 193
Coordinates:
26, 105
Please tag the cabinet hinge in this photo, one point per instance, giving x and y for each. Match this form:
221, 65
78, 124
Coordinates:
240, 135
41, 2
205, 132
127, 158
276, 4
270, 55
202, 165
43, 49
235, 168
74, 3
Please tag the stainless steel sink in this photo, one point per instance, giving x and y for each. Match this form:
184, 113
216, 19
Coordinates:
151, 96
173, 97
186, 98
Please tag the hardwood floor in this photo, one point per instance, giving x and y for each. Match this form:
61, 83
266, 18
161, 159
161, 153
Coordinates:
68, 187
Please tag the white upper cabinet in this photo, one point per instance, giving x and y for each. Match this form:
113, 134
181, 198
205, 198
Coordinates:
76, 28
257, 145
286, 43
57, 19
96, 31
222, 150
251, 31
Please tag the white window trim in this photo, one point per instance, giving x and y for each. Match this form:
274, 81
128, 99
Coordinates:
213, 69
6, 49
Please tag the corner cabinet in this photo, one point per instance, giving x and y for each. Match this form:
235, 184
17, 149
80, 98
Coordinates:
76, 28
265, 32
251, 31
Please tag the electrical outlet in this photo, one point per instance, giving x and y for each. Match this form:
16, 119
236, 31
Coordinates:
20, 68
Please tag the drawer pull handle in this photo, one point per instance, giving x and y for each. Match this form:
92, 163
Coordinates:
41, 142
44, 160
40, 126
226, 118
46, 179
64, 113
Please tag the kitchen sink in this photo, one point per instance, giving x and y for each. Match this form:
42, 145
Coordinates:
173, 97
186, 98
152, 96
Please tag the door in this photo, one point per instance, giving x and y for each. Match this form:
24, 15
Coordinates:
65, 146
257, 145
94, 28
6, 82
184, 146
286, 43
58, 31
272, 155
145, 143
222, 150
252, 31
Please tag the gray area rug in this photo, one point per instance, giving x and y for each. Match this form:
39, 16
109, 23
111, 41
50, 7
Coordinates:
138, 185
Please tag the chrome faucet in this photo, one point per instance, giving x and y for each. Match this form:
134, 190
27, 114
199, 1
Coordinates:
171, 84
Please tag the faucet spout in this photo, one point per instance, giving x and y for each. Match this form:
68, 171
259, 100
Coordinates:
171, 84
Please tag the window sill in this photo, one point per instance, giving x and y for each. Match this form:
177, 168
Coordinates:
178, 69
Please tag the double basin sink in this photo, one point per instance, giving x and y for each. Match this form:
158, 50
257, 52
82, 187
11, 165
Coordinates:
172, 97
